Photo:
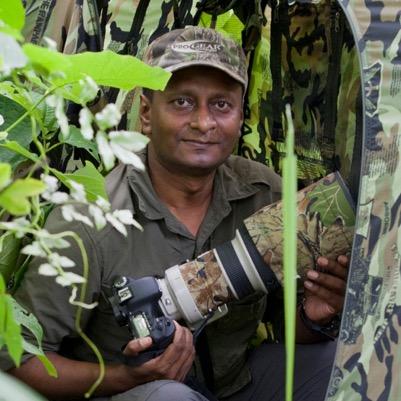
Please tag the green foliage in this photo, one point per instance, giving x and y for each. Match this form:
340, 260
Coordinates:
12, 111
14, 198
12, 13
330, 202
76, 139
36, 86
9, 252
91, 179
105, 68
10, 330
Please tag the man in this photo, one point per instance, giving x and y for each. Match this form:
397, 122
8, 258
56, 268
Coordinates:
192, 198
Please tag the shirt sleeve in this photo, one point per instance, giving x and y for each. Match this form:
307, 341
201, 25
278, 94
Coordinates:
48, 300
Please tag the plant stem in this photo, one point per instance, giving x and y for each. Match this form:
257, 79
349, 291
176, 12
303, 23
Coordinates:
85, 268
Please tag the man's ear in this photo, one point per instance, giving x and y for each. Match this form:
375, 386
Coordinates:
145, 114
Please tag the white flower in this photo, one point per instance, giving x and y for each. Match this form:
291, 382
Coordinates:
69, 214
116, 224
57, 260
50, 181
89, 89
110, 116
46, 269
77, 191
127, 156
126, 217
66, 279
1, 120
103, 203
18, 226
58, 198
105, 151
130, 140
98, 216
34, 249
58, 103
85, 121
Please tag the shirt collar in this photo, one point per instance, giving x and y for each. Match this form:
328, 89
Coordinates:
229, 185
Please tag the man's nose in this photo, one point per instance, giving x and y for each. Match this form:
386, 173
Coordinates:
203, 120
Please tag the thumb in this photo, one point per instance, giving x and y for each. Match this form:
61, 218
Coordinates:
134, 347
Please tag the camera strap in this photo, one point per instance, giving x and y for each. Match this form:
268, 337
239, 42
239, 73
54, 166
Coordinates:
203, 352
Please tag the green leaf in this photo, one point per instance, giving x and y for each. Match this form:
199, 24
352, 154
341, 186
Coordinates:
13, 389
11, 32
12, 13
106, 68
5, 174
330, 201
119, 71
12, 334
47, 59
9, 254
20, 150
76, 139
22, 134
91, 179
15, 197
29, 321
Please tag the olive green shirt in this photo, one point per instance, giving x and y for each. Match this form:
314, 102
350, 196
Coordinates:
241, 187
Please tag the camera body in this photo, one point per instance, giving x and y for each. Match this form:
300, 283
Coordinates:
135, 303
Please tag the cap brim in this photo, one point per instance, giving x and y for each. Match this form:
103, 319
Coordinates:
193, 63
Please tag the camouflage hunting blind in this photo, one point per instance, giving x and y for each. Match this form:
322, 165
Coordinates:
338, 64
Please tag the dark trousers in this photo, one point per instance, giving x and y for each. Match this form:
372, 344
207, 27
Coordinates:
267, 363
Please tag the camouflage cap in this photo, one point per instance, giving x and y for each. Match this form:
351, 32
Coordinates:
192, 46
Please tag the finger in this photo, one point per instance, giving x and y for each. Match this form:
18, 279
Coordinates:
333, 267
134, 347
343, 260
169, 363
332, 283
333, 300
185, 350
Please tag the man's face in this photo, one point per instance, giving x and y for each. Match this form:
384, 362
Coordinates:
194, 124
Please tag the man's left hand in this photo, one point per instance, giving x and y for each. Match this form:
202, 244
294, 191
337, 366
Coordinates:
325, 289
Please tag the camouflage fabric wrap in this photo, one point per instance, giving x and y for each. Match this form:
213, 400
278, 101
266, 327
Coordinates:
368, 360
325, 226
206, 283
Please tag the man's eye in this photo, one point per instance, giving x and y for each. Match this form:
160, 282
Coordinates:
222, 105
182, 102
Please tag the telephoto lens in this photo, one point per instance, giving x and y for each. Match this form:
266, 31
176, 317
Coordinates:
252, 261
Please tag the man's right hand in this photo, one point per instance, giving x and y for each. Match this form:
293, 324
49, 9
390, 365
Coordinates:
173, 364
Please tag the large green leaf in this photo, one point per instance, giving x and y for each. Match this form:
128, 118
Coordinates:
29, 321
12, 13
22, 134
106, 68
9, 252
14, 198
10, 330
91, 179
5, 174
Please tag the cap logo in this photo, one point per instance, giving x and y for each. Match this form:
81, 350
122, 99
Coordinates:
195, 46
